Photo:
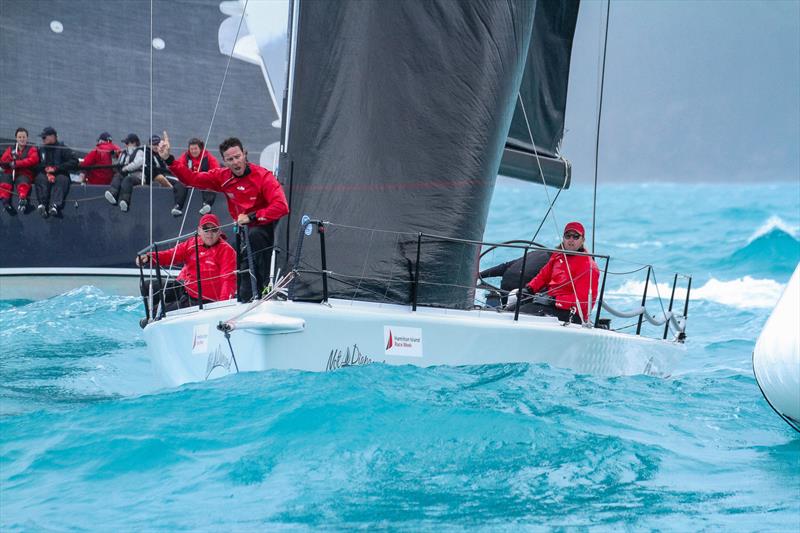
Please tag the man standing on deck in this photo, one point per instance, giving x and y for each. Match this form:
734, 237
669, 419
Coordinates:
255, 199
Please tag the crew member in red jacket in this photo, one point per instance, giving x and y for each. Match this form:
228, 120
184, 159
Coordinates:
255, 199
198, 159
19, 164
567, 279
103, 155
217, 265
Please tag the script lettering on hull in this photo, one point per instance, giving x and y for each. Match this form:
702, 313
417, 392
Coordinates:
350, 357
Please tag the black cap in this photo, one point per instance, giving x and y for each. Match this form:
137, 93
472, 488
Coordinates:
48, 131
155, 139
105, 136
131, 138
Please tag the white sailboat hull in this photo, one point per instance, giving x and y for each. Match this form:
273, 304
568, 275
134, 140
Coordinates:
187, 346
776, 357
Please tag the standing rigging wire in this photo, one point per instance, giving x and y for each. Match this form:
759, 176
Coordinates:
597, 140
599, 115
150, 166
553, 216
205, 142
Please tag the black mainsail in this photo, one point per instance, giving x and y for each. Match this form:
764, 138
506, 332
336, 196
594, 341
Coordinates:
544, 96
398, 117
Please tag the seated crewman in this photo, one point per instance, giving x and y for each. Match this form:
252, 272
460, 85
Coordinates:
56, 161
567, 279
197, 159
217, 265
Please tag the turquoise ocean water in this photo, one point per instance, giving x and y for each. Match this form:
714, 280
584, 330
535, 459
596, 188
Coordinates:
89, 441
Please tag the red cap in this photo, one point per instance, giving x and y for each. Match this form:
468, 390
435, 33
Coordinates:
210, 218
577, 227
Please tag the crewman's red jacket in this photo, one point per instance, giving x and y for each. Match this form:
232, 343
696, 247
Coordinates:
257, 191
196, 163
102, 154
555, 276
217, 265
27, 161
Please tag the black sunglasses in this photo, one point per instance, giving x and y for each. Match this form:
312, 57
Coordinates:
210, 229
573, 236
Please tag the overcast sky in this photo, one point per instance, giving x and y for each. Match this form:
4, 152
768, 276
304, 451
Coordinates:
694, 91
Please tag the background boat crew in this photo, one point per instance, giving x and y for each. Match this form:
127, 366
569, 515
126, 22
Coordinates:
19, 168
159, 168
198, 159
255, 198
567, 279
131, 163
103, 156
217, 265
52, 183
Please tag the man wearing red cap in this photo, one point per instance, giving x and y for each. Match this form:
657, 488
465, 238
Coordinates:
255, 199
217, 264
567, 279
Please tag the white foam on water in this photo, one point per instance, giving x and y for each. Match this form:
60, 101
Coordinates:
644, 244
774, 222
742, 293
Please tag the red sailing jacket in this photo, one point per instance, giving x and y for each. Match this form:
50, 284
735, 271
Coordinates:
27, 161
555, 276
217, 265
257, 191
196, 162
102, 155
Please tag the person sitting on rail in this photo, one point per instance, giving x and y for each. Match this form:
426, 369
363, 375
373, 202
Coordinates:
197, 159
567, 279
217, 261
131, 162
53, 181
138, 165
19, 168
99, 163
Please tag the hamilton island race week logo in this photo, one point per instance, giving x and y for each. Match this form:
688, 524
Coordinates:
402, 341
340, 359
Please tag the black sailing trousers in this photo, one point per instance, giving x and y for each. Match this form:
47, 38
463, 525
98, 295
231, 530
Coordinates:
52, 194
262, 239
180, 191
122, 187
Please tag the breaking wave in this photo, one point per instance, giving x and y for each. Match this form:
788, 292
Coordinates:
773, 246
742, 293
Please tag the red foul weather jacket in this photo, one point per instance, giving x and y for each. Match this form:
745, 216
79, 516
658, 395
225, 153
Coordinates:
217, 265
27, 161
257, 191
102, 154
196, 163
555, 276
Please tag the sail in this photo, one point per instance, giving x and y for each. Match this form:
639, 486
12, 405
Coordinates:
397, 120
544, 97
